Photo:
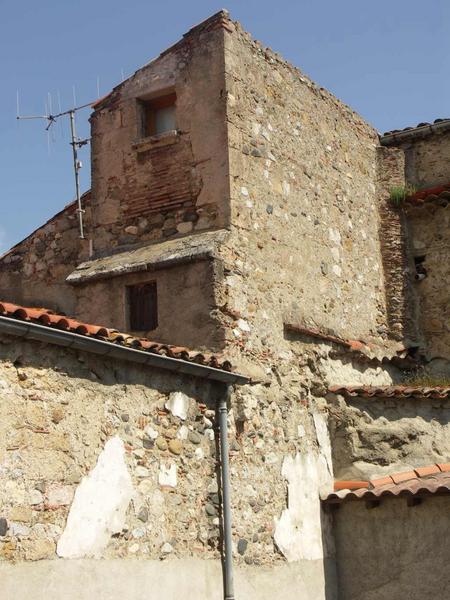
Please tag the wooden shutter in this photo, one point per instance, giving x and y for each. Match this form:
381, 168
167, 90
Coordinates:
143, 306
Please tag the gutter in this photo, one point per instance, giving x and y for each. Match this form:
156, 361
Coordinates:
402, 136
66, 339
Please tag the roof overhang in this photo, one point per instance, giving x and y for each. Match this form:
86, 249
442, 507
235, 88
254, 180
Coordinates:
161, 255
41, 333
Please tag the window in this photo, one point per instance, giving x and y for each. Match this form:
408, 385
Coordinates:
159, 115
142, 306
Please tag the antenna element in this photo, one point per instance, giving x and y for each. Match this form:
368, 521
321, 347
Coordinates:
75, 142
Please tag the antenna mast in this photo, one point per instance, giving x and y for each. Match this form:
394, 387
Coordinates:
76, 143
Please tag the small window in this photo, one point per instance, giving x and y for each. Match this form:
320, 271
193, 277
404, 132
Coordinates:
142, 306
159, 115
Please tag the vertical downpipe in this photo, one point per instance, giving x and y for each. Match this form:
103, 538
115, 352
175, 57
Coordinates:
226, 503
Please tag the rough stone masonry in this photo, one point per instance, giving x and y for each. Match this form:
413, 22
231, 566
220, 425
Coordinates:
265, 221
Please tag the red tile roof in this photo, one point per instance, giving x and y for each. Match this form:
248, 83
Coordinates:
437, 195
47, 318
392, 391
362, 349
433, 479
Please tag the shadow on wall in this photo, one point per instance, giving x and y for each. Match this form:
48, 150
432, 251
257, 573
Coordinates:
329, 562
394, 551
401, 300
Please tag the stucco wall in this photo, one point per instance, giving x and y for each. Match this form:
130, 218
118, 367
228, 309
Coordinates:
393, 551
185, 299
191, 579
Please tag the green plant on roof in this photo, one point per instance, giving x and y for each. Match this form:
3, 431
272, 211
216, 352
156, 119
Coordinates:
421, 378
399, 193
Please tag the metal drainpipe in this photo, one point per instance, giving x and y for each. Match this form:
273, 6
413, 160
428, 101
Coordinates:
222, 407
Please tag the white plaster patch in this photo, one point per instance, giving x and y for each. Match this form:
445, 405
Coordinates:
286, 188
168, 475
337, 270
323, 439
298, 532
244, 191
99, 506
178, 404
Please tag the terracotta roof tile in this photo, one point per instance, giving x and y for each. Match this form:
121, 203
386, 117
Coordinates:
425, 471
405, 476
424, 124
432, 479
47, 318
392, 391
436, 195
362, 349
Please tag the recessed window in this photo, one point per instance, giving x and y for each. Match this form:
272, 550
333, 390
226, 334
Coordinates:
142, 306
158, 115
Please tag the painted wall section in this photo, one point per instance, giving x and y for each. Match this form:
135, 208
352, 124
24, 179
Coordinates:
99, 507
302, 528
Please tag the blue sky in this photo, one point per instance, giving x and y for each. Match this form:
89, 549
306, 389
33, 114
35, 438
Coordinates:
387, 59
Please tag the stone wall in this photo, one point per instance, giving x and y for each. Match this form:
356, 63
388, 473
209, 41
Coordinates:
429, 237
374, 437
147, 189
427, 160
398, 264
393, 551
71, 422
305, 219
34, 271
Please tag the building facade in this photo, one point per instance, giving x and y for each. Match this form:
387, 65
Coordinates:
240, 209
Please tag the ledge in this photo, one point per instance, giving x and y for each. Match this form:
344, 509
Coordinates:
156, 141
158, 255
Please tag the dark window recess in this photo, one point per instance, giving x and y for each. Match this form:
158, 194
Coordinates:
421, 271
143, 306
159, 115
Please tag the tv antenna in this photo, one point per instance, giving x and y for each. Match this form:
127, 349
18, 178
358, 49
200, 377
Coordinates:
75, 142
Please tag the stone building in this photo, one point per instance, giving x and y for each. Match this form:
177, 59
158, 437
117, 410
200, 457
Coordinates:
240, 210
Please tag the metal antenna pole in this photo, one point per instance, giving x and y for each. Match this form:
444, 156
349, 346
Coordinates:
75, 143
76, 166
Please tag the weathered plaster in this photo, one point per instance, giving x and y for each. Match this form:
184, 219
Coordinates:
99, 507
